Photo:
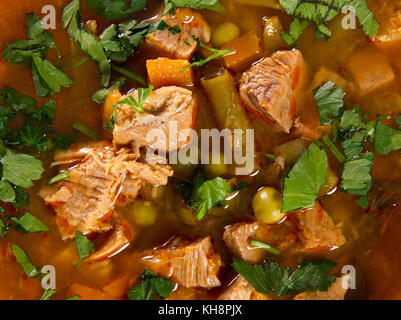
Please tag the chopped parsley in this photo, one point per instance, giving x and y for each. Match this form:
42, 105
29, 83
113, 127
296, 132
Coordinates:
32, 53
117, 9
270, 277
84, 247
61, 176
85, 130
29, 223
102, 94
302, 183
211, 5
143, 94
150, 287
30, 270
216, 54
202, 195
321, 12
47, 294
329, 101
265, 246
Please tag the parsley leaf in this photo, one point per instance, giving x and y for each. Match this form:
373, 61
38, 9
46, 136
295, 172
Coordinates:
47, 294
17, 101
302, 183
30, 270
216, 54
117, 9
102, 94
211, 5
321, 12
21, 169
382, 141
29, 223
61, 176
84, 247
32, 53
150, 285
271, 277
329, 101
356, 175
265, 246
143, 94
202, 195
7, 193
88, 43
85, 130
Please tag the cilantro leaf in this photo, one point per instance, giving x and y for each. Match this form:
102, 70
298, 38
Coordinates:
88, 43
363, 202
21, 169
17, 101
30, 270
271, 277
21, 197
29, 223
302, 183
47, 113
84, 247
102, 94
356, 175
321, 12
7, 193
33, 136
150, 286
329, 101
117, 9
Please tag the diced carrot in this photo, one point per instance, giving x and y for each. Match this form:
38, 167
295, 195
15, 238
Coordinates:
111, 99
87, 293
167, 72
247, 49
118, 286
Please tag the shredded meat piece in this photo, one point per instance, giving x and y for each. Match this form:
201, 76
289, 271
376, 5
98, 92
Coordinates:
99, 177
191, 264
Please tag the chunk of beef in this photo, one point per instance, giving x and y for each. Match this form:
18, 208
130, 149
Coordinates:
370, 70
390, 29
337, 291
272, 87
190, 264
99, 177
317, 230
175, 40
169, 113
241, 289
237, 238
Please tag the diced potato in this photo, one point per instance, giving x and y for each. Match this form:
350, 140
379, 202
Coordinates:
247, 49
224, 33
291, 150
187, 215
370, 70
272, 30
324, 75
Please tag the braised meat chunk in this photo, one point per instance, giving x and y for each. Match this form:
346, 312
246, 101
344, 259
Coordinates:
176, 40
169, 113
272, 87
190, 264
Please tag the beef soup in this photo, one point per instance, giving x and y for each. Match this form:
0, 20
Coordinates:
126, 129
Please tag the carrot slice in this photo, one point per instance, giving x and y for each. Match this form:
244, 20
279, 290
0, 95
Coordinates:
167, 72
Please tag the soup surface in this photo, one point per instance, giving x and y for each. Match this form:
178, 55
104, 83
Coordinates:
306, 199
